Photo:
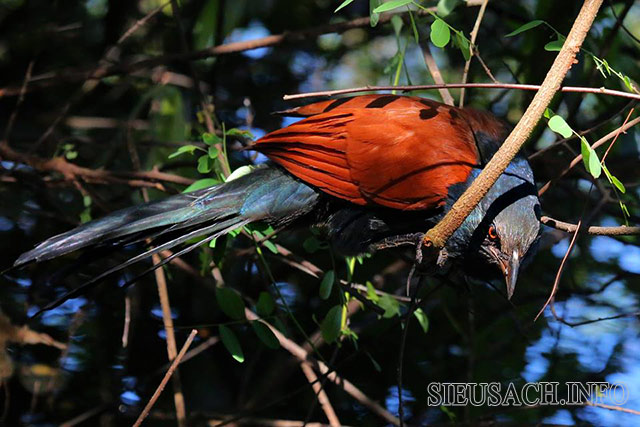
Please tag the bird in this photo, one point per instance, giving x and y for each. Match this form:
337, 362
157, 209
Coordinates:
370, 172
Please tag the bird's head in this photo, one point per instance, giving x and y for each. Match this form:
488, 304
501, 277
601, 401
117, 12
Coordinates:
501, 233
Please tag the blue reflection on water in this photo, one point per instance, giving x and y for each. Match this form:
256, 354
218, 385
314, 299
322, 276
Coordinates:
391, 401
255, 30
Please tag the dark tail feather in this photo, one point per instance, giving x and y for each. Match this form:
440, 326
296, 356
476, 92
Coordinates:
265, 194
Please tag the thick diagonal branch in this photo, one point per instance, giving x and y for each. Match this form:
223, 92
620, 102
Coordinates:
438, 235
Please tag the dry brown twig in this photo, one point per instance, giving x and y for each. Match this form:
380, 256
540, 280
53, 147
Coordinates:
407, 88
323, 369
436, 74
474, 35
166, 378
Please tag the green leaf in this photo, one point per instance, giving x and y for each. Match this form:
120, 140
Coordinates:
371, 293
241, 171
327, 284
265, 304
525, 27
201, 183
184, 149
390, 5
422, 319
440, 33
558, 125
345, 3
332, 324
213, 152
390, 305
397, 24
554, 46
445, 7
585, 150
548, 113
373, 16
205, 164
618, 184
594, 168
230, 302
211, 138
265, 334
271, 246
231, 343
463, 43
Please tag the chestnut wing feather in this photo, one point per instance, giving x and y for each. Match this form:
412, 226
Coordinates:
385, 150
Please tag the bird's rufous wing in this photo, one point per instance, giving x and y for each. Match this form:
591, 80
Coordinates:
386, 150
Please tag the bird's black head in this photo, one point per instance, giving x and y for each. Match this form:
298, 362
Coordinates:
501, 233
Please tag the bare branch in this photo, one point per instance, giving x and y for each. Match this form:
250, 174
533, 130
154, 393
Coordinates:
438, 235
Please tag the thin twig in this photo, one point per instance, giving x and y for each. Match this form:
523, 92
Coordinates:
164, 381
518, 86
321, 395
16, 109
474, 35
435, 73
613, 408
621, 230
305, 357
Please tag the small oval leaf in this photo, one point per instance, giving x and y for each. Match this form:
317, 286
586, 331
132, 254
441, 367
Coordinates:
559, 125
440, 33
332, 324
265, 304
327, 284
231, 343
265, 334
422, 319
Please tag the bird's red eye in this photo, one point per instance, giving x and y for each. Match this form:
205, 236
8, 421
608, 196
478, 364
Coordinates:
492, 233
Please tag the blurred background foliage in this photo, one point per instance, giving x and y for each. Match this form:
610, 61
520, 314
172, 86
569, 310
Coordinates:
473, 334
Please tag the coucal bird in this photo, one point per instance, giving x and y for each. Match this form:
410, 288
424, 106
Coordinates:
372, 171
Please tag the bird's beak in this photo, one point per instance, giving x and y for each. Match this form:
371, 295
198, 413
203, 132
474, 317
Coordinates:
510, 267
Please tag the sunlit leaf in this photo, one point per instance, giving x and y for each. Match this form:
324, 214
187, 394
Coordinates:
440, 33
373, 16
184, 149
213, 152
618, 184
326, 285
390, 5
201, 183
231, 343
265, 334
230, 302
241, 171
554, 46
371, 293
559, 125
390, 305
525, 27
422, 319
594, 168
205, 164
345, 3
332, 324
